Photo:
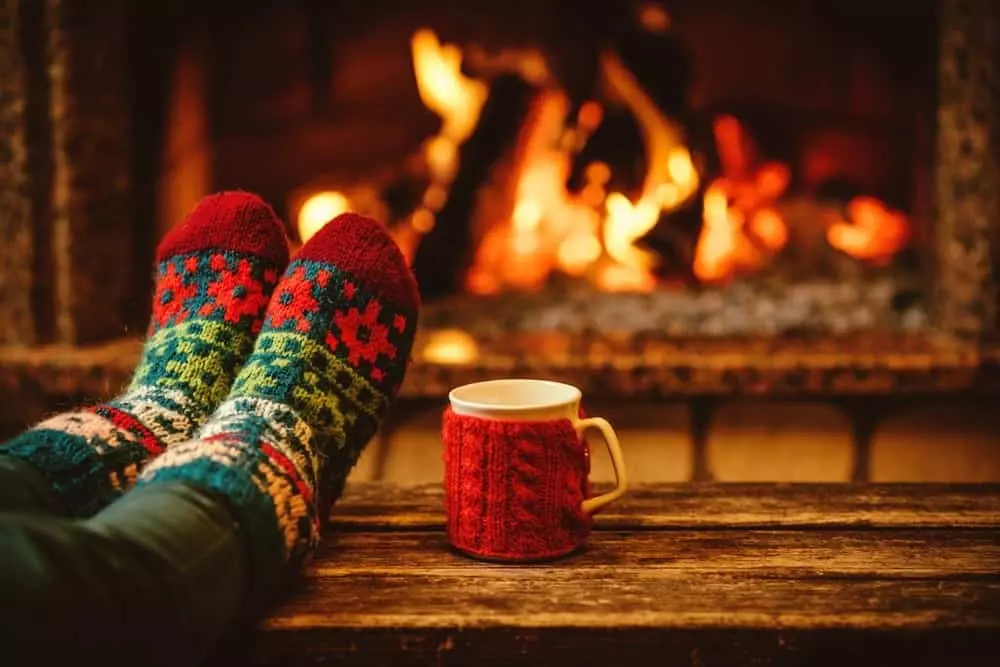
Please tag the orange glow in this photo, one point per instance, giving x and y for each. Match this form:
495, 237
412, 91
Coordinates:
654, 18
541, 228
768, 226
450, 346
458, 101
671, 178
318, 210
548, 228
443, 88
877, 232
741, 225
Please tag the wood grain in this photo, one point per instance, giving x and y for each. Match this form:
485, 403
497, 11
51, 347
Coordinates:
605, 647
676, 574
662, 579
374, 506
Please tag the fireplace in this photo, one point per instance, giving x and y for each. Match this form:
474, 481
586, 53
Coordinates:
658, 201
684, 150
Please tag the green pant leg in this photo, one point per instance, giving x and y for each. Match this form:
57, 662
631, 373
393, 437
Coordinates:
153, 579
23, 489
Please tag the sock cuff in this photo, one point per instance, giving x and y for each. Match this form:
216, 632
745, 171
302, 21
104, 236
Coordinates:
274, 508
86, 458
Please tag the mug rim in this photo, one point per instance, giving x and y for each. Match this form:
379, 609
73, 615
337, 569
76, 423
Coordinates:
574, 395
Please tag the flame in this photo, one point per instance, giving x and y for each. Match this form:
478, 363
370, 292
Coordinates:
443, 88
548, 227
594, 233
318, 210
671, 178
741, 226
877, 232
715, 253
456, 99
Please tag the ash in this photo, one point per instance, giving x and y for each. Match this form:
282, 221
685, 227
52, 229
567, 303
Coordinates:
740, 309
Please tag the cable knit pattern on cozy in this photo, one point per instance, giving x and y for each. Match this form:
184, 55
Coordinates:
514, 490
329, 359
216, 272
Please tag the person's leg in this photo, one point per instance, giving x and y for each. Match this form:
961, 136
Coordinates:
154, 579
216, 272
330, 358
24, 489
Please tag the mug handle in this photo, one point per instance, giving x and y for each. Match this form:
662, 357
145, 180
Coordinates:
591, 505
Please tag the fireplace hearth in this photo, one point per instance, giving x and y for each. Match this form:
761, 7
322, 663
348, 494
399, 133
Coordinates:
803, 234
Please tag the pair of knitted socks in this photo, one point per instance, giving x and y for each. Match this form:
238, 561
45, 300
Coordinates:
261, 380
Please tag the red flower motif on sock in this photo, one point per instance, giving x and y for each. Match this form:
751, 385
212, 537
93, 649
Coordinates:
237, 292
363, 336
171, 292
292, 300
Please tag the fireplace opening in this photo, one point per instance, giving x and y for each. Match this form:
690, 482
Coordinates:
687, 168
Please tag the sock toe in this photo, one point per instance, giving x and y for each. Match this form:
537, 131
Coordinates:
235, 221
362, 247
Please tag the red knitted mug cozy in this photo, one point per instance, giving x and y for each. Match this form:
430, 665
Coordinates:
514, 490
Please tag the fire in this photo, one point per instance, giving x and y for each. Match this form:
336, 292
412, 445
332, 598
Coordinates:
671, 178
594, 234
458, 100
741, 224
548, 227
877, 234
443, 88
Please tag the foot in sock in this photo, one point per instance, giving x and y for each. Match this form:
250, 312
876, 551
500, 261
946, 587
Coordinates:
216, 272
331, 356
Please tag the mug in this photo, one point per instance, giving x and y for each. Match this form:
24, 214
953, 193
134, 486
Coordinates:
516, 469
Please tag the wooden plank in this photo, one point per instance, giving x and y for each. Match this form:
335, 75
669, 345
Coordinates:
646, 557
780, 595
380, 506
585, 647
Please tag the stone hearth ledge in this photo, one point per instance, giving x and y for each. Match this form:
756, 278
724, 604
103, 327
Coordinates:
34, 379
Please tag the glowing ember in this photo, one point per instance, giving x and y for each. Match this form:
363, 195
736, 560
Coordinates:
877, 234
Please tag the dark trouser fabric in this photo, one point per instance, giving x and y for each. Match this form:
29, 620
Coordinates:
154, 579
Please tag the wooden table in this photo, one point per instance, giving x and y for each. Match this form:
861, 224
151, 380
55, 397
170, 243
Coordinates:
678, 574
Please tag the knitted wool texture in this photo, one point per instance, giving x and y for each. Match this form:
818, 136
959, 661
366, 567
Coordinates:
514, 490
328, 361
216, 272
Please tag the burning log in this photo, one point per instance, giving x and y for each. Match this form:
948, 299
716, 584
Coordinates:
445, 253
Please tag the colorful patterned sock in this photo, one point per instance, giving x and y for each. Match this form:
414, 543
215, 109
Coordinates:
216, 272
329, 360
